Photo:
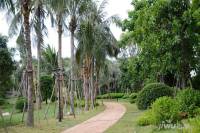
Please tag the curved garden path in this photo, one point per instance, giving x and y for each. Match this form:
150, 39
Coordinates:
99, 123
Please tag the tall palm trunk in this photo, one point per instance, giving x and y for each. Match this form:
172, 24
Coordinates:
86, 83
60, 65
92, 84
72, 30
26, 14
96, 84
39, 42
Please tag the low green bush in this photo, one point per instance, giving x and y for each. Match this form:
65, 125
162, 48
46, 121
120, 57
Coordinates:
133, 95
126, 96
197, 112
82, 103
46, 84
150, 93
111, 96
132, 98
194, 126
189, 100
146, 119
20, 104
165, 110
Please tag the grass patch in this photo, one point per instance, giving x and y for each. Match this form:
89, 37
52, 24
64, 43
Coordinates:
128, 123
46, 126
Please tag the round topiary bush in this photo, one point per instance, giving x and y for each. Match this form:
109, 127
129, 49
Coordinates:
189, 101
150, 93
165, 110
20, 103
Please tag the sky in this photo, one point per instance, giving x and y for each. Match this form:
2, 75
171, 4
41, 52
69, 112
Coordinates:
113, 7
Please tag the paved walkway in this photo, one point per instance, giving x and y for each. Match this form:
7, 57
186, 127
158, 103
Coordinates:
99, 123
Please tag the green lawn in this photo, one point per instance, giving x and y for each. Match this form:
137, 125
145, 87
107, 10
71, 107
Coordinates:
127, 124
46, 126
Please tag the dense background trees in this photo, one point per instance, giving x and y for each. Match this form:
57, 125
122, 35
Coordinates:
7, 66
167, 35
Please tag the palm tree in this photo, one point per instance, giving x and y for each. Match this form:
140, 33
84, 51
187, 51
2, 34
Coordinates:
26, 8
76, 9
39, 28
7, 4
58, 7
95, 42
49, 59
37, 24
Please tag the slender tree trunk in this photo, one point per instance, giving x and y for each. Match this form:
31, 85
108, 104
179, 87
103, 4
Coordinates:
72, 111
92, 84
39, 39
86, 83
30, 110
86, 93
60, 65
96, 85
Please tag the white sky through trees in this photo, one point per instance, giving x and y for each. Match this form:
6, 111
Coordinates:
113, 7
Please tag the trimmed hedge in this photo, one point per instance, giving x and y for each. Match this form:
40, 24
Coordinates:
150, 93
111, 96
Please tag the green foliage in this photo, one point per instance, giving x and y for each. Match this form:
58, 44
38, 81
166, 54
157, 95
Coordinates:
6, 66
20, 103
126, 96
194, 126
146, 119
131, 76
49, 59
188, 100
197, 112
165, 110
111, 96
46, 83
196, 81
2, 101
150, 93
167, 35
82, 103
132, 97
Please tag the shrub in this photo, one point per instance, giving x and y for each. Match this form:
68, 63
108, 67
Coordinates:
197, 112
194, 126
165, 110
150, 93
20, 104
188, 100
146, 119
46, 82
126, 96
82, 103
132, 97
111, 96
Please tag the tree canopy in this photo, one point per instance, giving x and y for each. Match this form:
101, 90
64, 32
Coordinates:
167, 34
